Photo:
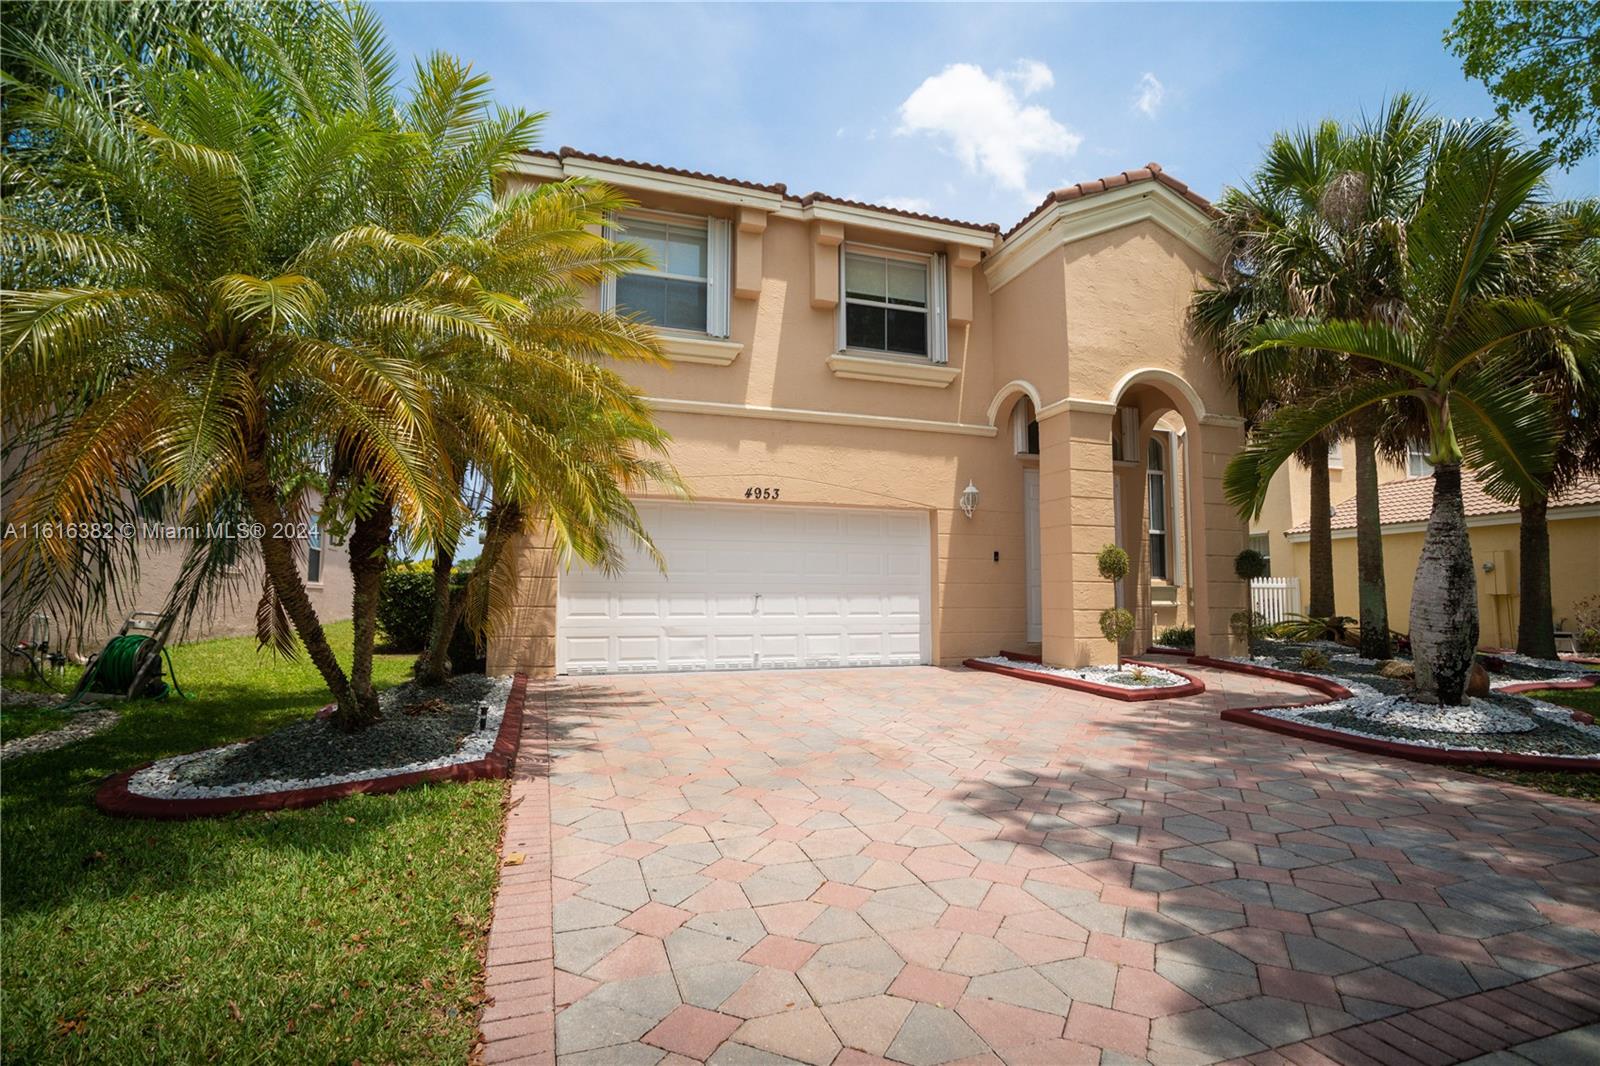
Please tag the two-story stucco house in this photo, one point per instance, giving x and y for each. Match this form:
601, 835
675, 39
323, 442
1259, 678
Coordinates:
906, 437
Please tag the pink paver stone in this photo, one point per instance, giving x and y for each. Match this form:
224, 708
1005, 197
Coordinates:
692, 1032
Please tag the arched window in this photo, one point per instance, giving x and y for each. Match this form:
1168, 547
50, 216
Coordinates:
1025, 427
1156, 486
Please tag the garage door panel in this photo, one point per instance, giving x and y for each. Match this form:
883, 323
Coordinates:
754, 586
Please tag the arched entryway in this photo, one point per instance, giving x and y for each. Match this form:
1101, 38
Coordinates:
1098, 461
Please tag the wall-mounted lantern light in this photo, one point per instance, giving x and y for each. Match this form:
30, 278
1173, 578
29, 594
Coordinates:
969, 498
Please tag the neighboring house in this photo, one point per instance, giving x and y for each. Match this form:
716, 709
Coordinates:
906, 437
1494, 528
326, 567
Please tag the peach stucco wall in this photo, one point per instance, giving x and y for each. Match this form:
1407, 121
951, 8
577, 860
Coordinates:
1070, 327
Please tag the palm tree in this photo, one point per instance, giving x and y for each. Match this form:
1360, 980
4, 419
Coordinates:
1561, 249
518, 397
1318, 232
1453, 351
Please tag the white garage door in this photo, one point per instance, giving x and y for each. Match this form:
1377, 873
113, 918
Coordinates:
754, 586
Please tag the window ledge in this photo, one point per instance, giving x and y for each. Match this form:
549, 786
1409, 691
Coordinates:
710, 351
892, 371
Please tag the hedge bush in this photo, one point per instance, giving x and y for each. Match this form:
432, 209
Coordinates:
405, 612
1176, 637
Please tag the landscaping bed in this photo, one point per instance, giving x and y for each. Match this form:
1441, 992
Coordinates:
1128, 680
1372, 708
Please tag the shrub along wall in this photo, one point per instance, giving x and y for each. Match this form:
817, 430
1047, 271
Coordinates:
405, 611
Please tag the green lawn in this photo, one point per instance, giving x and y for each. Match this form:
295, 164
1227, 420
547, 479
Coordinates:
1559, 782
349, 931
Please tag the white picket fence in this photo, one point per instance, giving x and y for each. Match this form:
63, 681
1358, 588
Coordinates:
1275, 598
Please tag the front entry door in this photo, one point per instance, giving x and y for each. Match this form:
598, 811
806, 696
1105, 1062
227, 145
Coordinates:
1030, 540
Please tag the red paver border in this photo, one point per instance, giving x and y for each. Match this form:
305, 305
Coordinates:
1252, 716
518, 1023
114, 797
1193, 686
1457, 1029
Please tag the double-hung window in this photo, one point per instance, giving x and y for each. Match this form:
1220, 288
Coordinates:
893, 304
686, 285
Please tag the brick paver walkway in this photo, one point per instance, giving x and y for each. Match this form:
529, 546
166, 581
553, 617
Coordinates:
928, 866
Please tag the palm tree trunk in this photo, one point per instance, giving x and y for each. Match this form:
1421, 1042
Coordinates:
1444, 600
1320, 595
1374, 596
278, 556
1536, 631
501, 525
430, 667
369, 555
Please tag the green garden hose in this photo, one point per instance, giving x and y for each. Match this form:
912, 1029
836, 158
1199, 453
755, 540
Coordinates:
113, 670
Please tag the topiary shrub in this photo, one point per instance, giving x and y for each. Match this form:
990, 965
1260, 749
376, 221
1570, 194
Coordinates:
1176, 637
1113, 563
1116, 624
1247, 566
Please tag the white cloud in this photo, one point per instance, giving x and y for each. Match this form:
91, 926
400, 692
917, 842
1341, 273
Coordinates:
984, 121
918, 204
1151, 93
1030, 76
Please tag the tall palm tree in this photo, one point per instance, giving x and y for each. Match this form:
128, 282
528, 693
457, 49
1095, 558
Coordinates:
1560, 249
1318, 232
1454, 351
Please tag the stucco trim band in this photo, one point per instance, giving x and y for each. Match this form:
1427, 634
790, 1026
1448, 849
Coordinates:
709, 351
800, 414
892, 371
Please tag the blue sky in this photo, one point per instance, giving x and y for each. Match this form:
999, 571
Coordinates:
967, 111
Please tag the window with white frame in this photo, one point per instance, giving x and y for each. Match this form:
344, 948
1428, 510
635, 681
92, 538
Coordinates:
1417, 464
893, 303
1336, 454
1261, 544
686, 286
1156, 488
313, 551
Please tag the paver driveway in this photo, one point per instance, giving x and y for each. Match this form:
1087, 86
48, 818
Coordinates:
927, 865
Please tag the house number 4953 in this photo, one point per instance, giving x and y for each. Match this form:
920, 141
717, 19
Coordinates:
760, 493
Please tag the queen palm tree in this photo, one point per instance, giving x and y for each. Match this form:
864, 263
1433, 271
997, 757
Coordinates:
1454, 352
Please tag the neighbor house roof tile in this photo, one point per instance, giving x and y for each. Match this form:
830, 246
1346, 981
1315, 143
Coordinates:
1411, 500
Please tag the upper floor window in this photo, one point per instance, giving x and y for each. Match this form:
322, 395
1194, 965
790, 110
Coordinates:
1336, 454
1417, 464
685, 288
893, 304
